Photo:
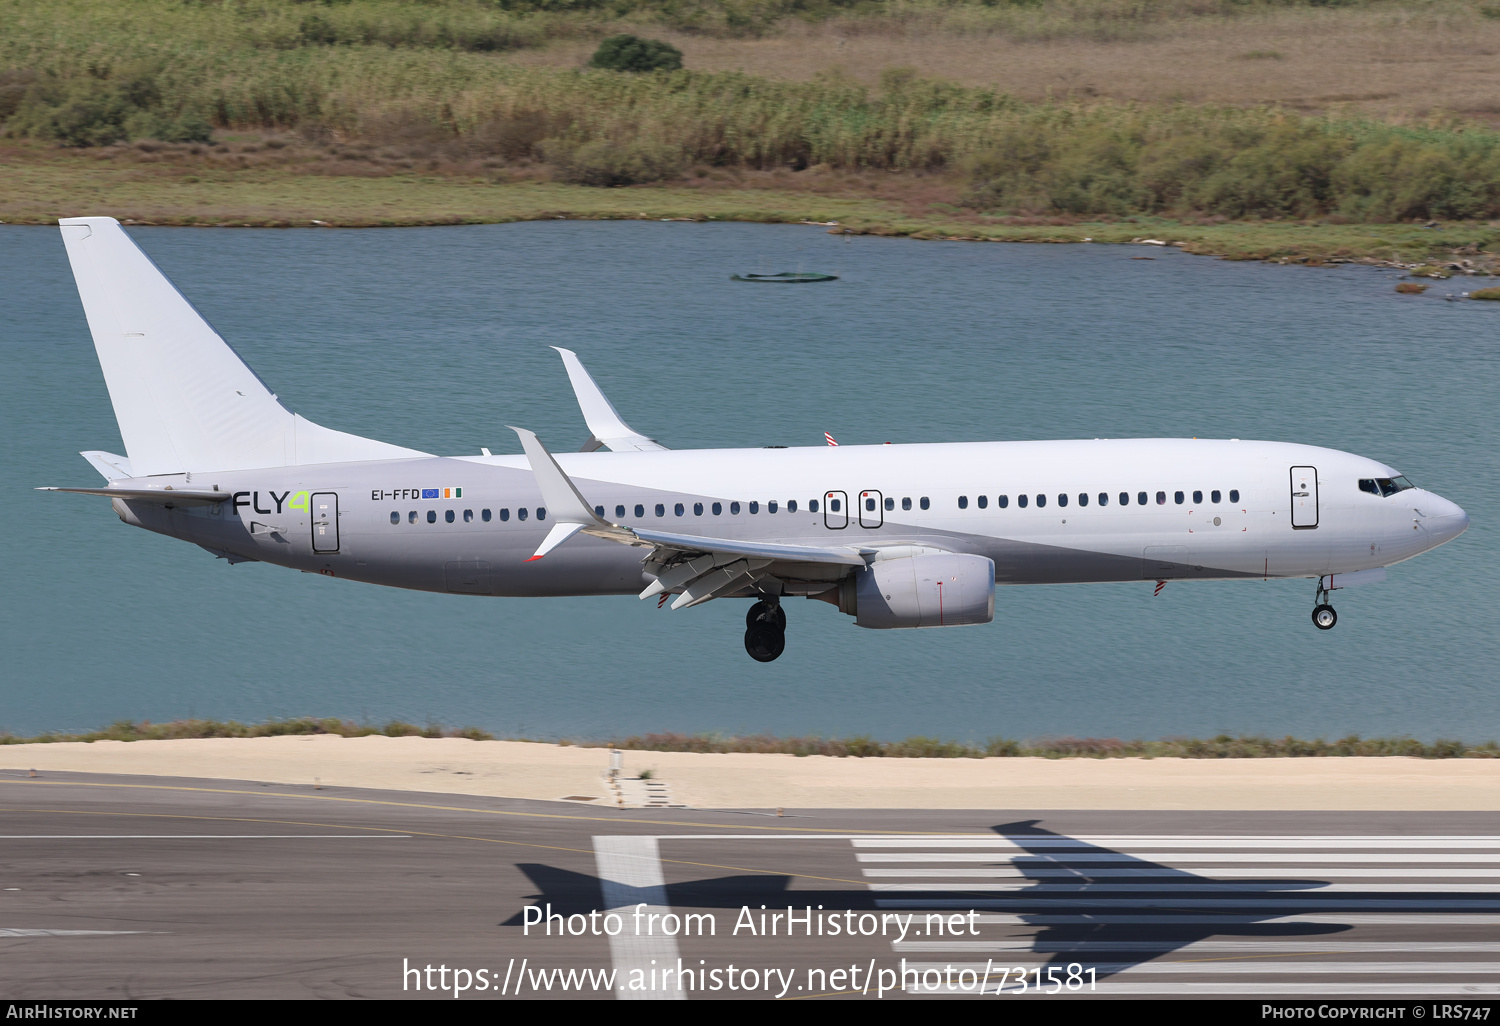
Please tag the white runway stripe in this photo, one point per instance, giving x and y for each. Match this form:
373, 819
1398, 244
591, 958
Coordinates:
70, 933
1273, 891
630, 875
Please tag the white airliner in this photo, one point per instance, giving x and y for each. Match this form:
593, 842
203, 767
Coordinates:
893, 535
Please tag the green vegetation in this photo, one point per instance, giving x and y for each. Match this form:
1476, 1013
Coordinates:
1222, 747
1485, 294
424, 80
632, 53
128, 730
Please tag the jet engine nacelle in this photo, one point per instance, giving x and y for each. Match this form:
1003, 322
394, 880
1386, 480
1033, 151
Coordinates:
937, 590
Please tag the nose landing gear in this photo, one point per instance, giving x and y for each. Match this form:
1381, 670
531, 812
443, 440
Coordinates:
1323, 616
765, 631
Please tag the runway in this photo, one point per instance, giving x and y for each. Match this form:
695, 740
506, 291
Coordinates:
147, 887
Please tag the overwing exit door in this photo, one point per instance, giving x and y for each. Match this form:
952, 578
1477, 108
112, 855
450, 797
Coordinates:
835, 510
871, 513
1304, 497
325, 521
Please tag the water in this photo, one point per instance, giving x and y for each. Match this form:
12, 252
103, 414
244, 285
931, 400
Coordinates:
437, 338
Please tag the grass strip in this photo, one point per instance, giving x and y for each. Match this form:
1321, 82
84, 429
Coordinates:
1223, 746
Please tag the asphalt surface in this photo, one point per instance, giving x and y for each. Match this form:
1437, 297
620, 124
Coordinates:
118, 887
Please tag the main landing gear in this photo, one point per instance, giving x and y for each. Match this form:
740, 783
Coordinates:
765, 630
1323, 616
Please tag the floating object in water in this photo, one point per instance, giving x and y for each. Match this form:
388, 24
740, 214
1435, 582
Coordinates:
786, 277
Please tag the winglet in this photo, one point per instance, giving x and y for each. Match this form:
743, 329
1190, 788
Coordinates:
555, 537
599, 414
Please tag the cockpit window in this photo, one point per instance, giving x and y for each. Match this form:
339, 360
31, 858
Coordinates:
1384, 486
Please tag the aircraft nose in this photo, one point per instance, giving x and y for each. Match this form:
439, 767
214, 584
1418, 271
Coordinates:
1444, 520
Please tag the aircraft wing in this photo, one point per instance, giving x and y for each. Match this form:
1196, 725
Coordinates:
702, 567
605, 425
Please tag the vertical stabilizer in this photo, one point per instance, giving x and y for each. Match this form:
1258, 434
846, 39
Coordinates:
183, 398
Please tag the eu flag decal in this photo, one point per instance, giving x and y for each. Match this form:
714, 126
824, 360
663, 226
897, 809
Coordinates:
430, 493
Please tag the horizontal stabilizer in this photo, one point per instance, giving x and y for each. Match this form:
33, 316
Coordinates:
110, 466
184, 399
166, 496
599, 413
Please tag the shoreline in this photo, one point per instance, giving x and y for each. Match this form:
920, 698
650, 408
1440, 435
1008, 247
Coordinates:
40, 187
535, 770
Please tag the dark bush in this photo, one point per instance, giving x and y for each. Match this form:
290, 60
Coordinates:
604, 163
632, 53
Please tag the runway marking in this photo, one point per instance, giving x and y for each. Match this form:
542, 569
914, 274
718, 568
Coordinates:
617, 820
630, 875
1269, 901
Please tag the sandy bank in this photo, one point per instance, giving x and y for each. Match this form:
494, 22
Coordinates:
521, 770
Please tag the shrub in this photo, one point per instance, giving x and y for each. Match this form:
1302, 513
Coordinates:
1411, 288
632, 53
1493, 293
604, 163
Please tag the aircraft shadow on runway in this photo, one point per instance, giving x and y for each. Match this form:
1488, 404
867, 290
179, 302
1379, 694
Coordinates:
1077, 918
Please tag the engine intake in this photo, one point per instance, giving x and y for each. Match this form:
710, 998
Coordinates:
938, 590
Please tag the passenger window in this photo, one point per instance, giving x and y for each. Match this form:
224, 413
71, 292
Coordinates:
1177, 497
468, 516
924, 502
983, 501
1104, 498
1083, 498
1161, 498
1234, 495
963, 502
718, 509
599, 512
619, 512
734, 509
432, 516
541, 512
771, 506
1140, 498
697, 509
1041, 500
411, 518
906, 502
791, 505
870, 504
1125, 499
661, 510
640, 511
890, 504
1022, 500
755, 507
1197, 498
521, 513
812, 505
504, 514
833, 504
1062, 499
448, 515
1002, 501
395, 517
484, 515
679, 509
1215, 495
